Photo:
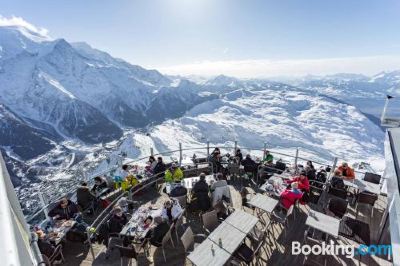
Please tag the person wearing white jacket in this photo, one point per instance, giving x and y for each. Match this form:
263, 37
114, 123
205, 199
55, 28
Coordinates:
171, 211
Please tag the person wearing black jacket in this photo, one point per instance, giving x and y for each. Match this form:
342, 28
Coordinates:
117, 221
160, 167
65, 210
200, 191
250, 166
44, 245
84, 196
239, 156
310, 171
100, 185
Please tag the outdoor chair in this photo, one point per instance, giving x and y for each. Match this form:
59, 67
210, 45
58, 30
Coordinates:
340, 193
368, 199
48, 261
167, 238
247, 254
373, 178
210, 221
128, 253
312, 259
182, 201
281, 218
188, 239
337, 206
177, 224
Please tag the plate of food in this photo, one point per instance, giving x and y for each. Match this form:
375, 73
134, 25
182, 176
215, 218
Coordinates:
67, 223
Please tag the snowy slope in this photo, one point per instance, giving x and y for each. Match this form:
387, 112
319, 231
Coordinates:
282, 116
368, 94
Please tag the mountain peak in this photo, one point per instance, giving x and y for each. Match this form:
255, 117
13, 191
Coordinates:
28, 30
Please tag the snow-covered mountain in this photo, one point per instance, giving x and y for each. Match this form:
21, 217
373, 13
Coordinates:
77, 92
368, 94
283, 116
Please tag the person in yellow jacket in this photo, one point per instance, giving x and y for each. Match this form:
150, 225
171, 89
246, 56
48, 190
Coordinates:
174, 174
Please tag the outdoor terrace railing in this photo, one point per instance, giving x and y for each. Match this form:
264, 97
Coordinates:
203, 151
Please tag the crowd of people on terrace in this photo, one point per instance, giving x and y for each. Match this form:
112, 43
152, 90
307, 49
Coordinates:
203, 195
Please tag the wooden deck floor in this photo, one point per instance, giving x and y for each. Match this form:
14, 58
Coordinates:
276, 251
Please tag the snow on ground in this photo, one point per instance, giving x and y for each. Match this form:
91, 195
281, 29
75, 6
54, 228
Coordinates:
284, 119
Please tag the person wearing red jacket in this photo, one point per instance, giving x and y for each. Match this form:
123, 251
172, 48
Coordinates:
347, 172
290, 196
302, 180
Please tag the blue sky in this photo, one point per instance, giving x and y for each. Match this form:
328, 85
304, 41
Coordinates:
229, 36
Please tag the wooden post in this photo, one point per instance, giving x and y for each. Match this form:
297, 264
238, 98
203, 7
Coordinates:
151, 151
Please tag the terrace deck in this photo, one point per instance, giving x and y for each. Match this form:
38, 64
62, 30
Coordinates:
277, 251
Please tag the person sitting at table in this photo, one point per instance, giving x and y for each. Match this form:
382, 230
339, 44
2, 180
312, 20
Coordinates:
156, 234
337, 180
44, 244
160, 167
310, 171
220, 190
239, 156
268, 157
347, 172
151, 163
125, 204
250, 166
65, 210
174, 174
100, 186
84, 197
200, 198
302, 181
114, 226
178, 191
117, 221
215, 160
290, 195
171, 211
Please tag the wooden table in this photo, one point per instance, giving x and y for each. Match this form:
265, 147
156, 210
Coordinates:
323, 223
363, 185
243, 221
133, 228
203, 255
230, 236
263, 203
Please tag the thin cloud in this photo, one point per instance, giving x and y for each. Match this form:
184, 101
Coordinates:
20, 22
368, 65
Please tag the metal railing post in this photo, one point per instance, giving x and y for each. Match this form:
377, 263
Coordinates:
89, 235
296, 159
46, 213
151, 151
208, 149
265, 150
180, 154
335, 160
235, 149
